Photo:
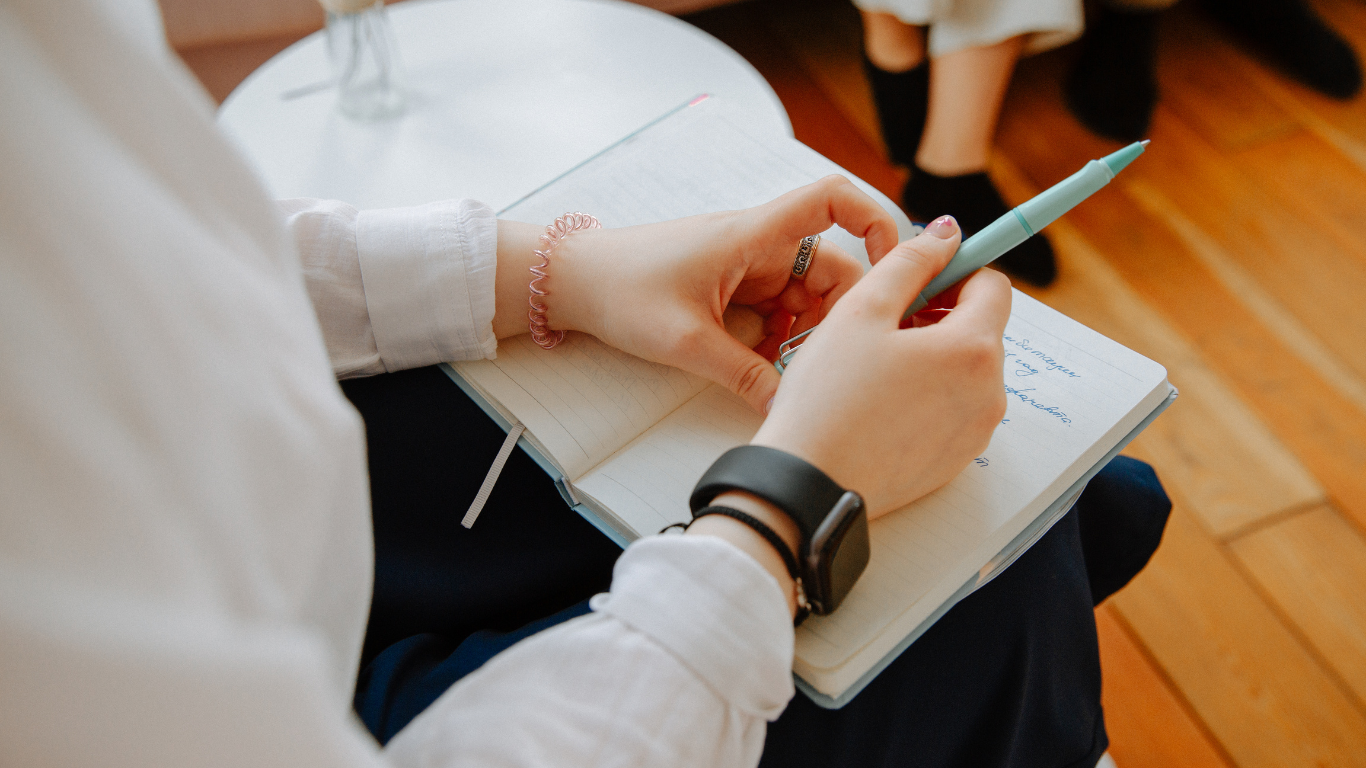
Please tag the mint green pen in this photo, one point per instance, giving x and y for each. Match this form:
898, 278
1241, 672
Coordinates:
997, 238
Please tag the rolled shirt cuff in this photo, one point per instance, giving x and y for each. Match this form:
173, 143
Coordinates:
429, 276
715, 609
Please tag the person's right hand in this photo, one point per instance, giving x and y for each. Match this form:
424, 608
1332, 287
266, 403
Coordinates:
891, 412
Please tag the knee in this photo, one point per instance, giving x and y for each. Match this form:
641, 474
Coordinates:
1132, 485
1121, 514
891, 44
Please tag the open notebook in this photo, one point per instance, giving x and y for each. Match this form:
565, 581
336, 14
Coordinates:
626, 439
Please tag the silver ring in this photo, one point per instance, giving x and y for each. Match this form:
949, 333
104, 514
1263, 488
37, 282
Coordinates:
804, 253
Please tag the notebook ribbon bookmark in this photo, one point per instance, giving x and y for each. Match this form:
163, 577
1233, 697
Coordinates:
491, 478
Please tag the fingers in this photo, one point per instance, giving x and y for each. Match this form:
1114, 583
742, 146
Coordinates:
834, 200
983, 304
895, 281
777, 329
833, 272
709, 351
744, 324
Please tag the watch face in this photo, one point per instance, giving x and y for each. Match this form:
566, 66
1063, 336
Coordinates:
849, 560
839, 554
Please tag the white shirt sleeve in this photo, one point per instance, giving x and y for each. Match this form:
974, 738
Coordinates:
185, 535
401, 287
682, 664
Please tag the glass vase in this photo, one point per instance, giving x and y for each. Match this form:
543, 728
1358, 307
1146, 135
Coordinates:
365, 62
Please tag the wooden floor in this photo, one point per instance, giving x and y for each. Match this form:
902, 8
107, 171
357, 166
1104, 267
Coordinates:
1233, 252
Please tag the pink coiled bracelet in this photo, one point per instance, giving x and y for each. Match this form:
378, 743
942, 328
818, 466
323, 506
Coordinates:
554, 233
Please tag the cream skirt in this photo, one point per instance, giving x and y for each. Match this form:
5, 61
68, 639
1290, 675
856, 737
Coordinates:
958, 24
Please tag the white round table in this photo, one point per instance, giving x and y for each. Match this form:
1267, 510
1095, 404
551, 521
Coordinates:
504, 95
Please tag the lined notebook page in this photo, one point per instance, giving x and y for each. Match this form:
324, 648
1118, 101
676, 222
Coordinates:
692, 162
1071, 395
583, 400
647, 483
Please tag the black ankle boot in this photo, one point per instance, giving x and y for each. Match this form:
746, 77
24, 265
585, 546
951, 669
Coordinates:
1292, 37
973, 200
1112, 87
902, 99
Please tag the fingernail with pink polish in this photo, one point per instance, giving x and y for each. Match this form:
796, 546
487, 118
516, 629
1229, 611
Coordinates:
943, 227
769, 405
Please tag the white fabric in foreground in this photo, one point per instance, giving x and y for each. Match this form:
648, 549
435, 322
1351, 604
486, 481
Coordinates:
185, 545
695, 638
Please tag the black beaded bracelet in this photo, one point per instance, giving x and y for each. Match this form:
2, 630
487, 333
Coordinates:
772, 537
761, 528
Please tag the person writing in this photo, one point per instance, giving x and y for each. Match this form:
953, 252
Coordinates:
185, 532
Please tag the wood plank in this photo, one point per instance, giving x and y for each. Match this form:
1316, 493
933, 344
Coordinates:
1209, 446
1310, 177
827, 39
1341, 123
817, 121
1148, 722
1319, 273
1274, 317
1299, 255
1323, 427
1313, 566
1213, 94
1260, 693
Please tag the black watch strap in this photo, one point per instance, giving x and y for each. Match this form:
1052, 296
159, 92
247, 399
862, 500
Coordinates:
771, 536
783, 480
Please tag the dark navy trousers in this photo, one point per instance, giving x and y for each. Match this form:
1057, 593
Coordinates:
1008, 677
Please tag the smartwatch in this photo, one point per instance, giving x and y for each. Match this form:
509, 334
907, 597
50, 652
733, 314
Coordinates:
833, 521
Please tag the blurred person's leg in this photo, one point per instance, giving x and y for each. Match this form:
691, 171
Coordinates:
1291, 36
938, 72
966, 90
1112, 88
949, 175
898, 70
1009, 676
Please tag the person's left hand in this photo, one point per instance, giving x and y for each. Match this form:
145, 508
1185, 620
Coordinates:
659, 291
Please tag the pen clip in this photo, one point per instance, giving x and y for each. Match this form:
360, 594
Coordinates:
788, 349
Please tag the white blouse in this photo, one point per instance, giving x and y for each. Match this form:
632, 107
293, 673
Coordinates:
185, 544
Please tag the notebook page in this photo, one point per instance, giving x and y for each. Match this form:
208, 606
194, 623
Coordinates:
583, 400
691, 162
648, 482
1071, 394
